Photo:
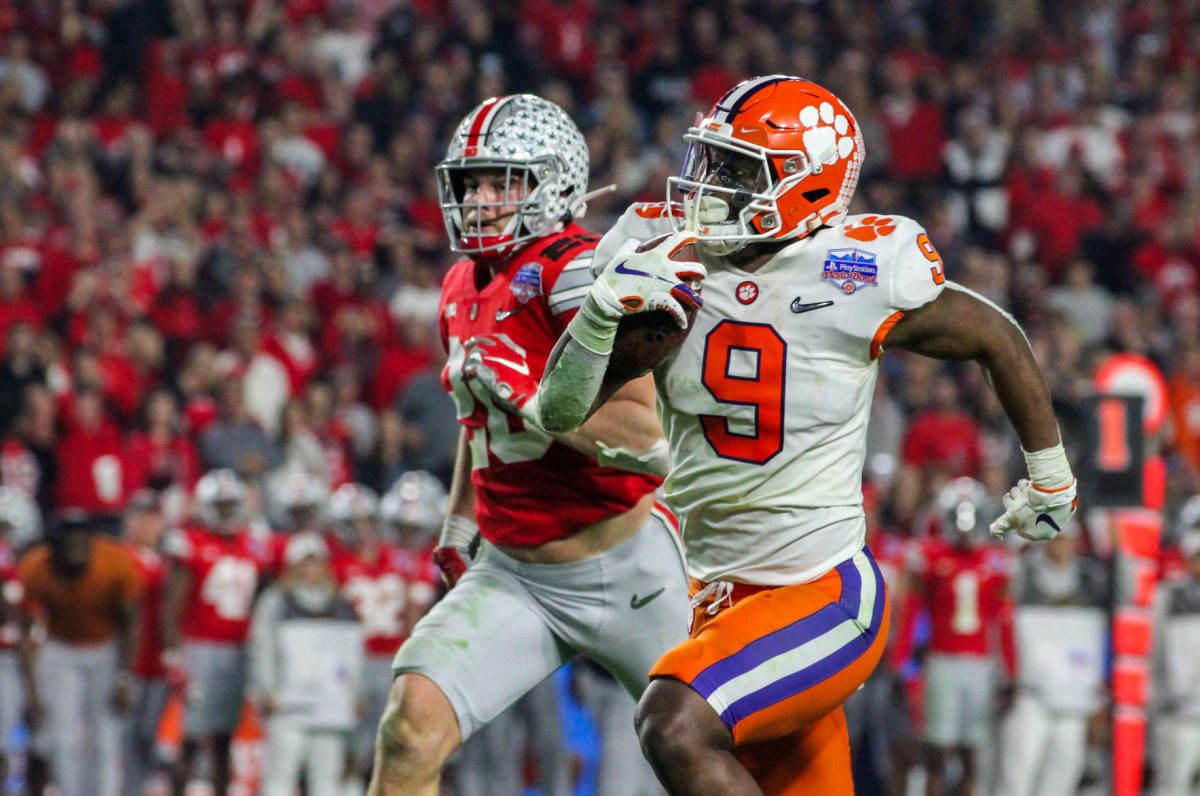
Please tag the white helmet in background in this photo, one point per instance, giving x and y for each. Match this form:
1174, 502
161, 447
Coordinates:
965, 509
220, 499
300, 498
354, 508
1188, 527
19, 516
416, 502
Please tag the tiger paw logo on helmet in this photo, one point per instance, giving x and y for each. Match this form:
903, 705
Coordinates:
776, 158
825, 134
869, 228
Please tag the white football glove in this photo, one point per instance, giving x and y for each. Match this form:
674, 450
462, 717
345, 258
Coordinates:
650, 280
1034, 513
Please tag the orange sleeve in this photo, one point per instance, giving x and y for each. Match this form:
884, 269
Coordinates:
33, 573
129, 578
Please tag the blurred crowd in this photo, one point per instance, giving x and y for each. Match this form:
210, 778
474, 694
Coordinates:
221, 245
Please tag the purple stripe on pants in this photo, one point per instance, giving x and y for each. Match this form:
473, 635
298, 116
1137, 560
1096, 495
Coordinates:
786, 638
812, 675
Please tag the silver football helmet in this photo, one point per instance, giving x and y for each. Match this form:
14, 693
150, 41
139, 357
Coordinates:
531, 142
20, 520
354, 510
416, 502
219, 498
965, 508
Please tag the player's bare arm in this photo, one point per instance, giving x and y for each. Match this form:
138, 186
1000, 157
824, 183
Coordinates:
179, 585
128, 614
459, 529
625, 431
26, 658
961, 325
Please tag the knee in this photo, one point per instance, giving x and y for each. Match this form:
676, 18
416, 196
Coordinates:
418, 728
673, 722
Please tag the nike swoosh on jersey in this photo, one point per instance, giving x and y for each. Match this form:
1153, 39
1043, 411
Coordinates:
1046, 518
635, 603
798, 306
518, 367
502, 314
621, 269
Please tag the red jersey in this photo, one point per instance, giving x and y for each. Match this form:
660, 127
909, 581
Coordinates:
225, 570
148, 663
892, 555
11, 596
390, 594
966, 591
529, 488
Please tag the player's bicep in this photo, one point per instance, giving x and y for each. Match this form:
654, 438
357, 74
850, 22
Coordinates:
957, 325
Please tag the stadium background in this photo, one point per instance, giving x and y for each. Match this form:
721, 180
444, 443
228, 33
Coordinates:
222, 215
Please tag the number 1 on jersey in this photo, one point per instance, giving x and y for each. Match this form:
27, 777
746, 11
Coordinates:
744, 365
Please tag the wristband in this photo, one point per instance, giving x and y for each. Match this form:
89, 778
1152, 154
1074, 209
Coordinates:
592, 328
458, 531
1049, 468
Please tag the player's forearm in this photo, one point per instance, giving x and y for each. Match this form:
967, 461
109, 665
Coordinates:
129, 635
1014, 375
570, 386
178, 584
620, 423
461, 501
27, 657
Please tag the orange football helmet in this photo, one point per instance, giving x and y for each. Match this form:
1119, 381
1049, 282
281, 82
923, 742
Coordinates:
775, 158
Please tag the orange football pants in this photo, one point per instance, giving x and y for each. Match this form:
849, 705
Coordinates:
776, 664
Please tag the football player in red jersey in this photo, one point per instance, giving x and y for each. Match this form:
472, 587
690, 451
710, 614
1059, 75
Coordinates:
389, 586
962, 577
214, 575
298, 502
144, 528
573, 558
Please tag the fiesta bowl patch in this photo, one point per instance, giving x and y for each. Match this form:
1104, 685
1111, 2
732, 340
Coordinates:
527, 282
850, 269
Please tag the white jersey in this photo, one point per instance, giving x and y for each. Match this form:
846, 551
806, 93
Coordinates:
766, 403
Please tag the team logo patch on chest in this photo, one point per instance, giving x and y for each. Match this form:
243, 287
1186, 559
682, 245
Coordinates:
746, 292
527, 282
850, 269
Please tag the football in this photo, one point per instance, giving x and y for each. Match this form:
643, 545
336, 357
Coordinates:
645, 339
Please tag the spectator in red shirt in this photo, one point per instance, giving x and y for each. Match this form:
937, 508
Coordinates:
160, 456
91, 475
913, 125
943, 442
232, 136
16, 305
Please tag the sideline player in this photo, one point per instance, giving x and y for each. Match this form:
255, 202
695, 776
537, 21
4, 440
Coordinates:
390, 586
214, 575
765, 408
961, 576
573, 558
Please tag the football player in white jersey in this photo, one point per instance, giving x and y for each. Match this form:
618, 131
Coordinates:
765, 406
